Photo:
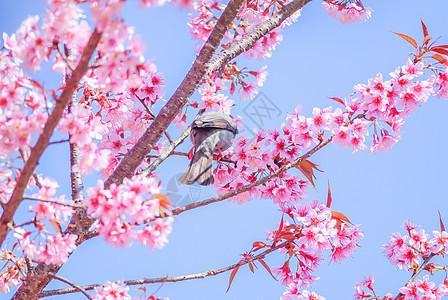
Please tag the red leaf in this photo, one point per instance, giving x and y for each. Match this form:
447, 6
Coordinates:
426, 40
265, 265
35, 83
56, 226
251, 267
425, 30
441, 59
442, 46
339, 216
442, 227
232, 276
163, 201
337, 100
306, 167
279, 231
329, 198
407, 38
439, 50
258, 245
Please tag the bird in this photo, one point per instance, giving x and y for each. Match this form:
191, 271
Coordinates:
210, 132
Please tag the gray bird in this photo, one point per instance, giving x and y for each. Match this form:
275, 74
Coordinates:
209, 132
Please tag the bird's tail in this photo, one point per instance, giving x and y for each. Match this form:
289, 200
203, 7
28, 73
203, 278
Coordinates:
199, 170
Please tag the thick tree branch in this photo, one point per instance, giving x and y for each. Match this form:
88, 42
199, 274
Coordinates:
39, 277
191, 82
171, 279
42, 142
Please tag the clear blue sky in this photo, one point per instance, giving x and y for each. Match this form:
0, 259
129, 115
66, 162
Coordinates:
319, 57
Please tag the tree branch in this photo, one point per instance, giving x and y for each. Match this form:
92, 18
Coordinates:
171, 279
39, 277
75, 286
42, 142
191, 82
74, 205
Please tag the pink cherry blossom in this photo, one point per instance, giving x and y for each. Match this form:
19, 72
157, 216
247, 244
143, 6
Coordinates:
346, 11
112, 291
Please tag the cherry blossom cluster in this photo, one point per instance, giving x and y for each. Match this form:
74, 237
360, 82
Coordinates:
251, 14
347, 11
119, 66
312, 232
419, 289
253, 162
364, 290
22, 107
12, 271
55, 249
211, 91
42, 245
119, 61
388, 103
84, 129
128, 114
63, 24
381, 105
118, 291
406, 251
50, 248
122, 209
412, 252
112, 290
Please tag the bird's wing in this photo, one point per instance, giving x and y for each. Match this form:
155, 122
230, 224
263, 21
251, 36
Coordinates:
213, 121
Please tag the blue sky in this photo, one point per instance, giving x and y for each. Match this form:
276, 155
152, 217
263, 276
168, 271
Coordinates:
318, 58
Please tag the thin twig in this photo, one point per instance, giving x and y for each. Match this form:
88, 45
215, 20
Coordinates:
75, 286
59, 142
74, 205
172, 279
165, 154
168, 137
